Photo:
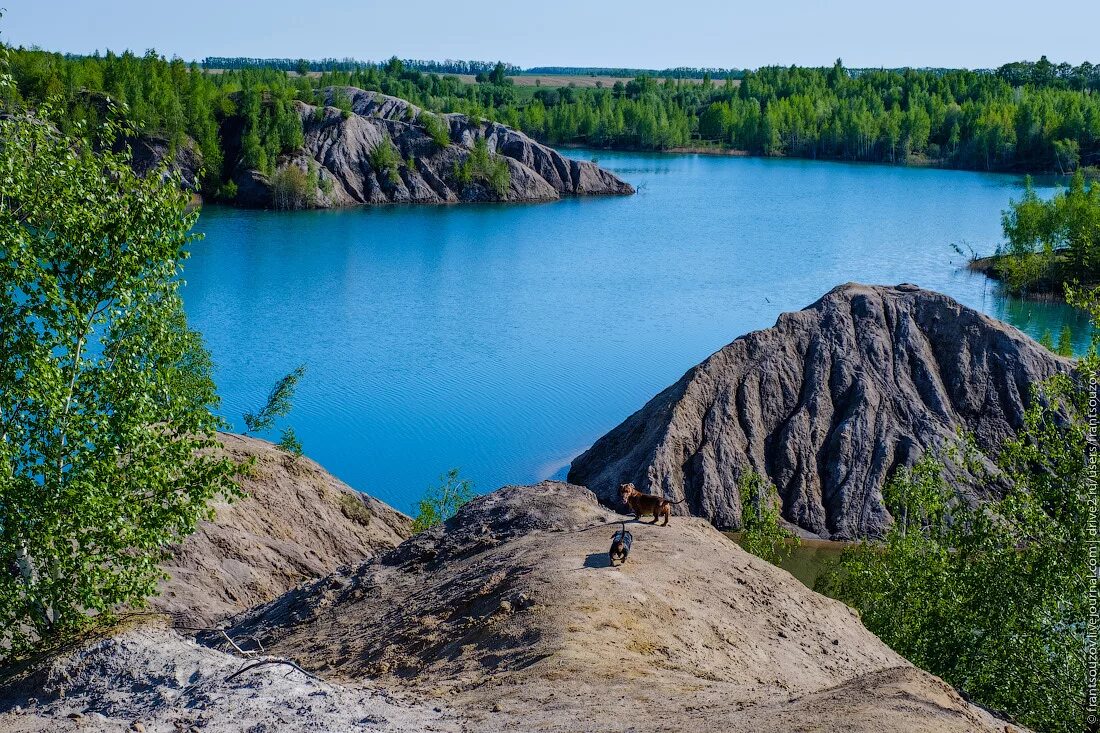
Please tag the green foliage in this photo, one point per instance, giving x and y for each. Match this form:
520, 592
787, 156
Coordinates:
484, 167
1052, 242
993, 598
278, 403
342, 102
227, 191
1065, 342
1047, 340
107, 424
272, 124
385, 160
292, 188
762, 534
435, 128
288, 441
1004, 120
441, 502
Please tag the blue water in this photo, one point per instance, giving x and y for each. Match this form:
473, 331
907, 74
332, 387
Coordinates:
504, 339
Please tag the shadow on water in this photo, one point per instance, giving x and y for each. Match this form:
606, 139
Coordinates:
810, 560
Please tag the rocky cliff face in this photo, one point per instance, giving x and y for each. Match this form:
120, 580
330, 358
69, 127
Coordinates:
336, 159
150, 151
298, 522
826, 405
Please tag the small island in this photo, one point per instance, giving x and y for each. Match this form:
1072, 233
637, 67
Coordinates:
1053, 246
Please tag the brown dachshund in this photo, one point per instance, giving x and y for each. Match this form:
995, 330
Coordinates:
640, 503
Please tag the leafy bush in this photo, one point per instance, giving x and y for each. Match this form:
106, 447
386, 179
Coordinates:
292, 188
992, 598
385, 159
435, 128
342, 102
1050, 242
443, 501
107, 403
288, 442
228, 191
762, 534
278, 403
485, 167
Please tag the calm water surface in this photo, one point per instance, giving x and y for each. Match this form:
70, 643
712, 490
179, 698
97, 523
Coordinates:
504, 339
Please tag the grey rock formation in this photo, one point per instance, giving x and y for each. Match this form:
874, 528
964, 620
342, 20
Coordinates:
150, 151
336, 159
826, 405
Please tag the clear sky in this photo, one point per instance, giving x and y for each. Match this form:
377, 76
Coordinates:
642, 33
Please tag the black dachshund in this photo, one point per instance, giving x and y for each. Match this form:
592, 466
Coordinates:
620, 544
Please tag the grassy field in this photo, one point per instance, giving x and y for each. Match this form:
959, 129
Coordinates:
563, 80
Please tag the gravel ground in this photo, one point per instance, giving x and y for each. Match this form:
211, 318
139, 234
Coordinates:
154, 679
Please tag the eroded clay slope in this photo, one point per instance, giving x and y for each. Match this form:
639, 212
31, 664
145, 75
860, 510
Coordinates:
827, 404
298, 522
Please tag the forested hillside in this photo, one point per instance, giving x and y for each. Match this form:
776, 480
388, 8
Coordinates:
1036, 117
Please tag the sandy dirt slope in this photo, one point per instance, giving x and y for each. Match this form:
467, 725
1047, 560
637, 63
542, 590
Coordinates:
297, 523
510, 616
155, 680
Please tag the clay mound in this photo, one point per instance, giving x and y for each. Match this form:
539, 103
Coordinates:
510, 614
297, 523
827, 404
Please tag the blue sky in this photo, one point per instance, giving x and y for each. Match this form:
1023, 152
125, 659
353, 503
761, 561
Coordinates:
643, 33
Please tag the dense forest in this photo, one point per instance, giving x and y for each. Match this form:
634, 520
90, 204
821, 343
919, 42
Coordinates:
1026, 116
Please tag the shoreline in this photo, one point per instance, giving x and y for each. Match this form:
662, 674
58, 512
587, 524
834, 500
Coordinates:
1047, 290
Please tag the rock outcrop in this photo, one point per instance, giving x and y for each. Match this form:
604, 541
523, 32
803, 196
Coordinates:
826, 405
150, 151
508, 618
297, 522
336, 159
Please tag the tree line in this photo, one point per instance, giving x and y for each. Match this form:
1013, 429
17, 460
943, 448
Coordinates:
678, 72
964, 119
1026, 116
301, 66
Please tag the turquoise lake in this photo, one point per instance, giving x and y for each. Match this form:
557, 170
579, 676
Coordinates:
504, 339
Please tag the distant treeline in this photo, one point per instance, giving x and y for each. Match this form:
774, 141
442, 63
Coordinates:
301, 66
680, 72
451, 66
1027, 116
1043, 73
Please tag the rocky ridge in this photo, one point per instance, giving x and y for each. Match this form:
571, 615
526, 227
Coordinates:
336, 159
826, 405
